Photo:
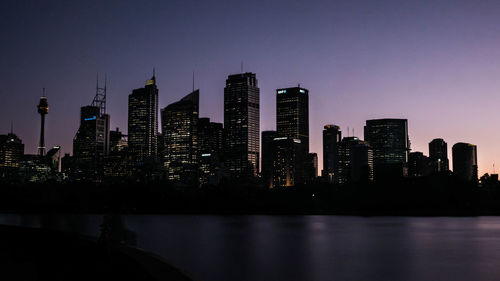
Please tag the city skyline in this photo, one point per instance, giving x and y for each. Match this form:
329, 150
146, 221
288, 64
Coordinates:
446, 88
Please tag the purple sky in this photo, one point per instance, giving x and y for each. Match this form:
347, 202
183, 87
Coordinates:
436, 63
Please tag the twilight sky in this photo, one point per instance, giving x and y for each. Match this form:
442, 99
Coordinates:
436, 63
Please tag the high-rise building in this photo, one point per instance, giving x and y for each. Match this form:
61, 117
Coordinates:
92, 138
418, 164
143, 121
331, 140
349, 149
241, 125
311, 167
180, 131
210, 140
465, 161
43, 109
292, 128
361, 162
267, 157
288, 168
11, 150
438, 155
389, 140
292, 114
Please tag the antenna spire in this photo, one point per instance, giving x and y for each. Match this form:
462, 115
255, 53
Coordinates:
154, 72
43, 92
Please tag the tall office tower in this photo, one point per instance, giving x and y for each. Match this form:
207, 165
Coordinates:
43, 109
288, 153
180, 132
343, 174
241, 125
210, 140
210, 136
331, 140
92, 138
418, 164
267, 157
311, 167
292, 122
143, 121
361, 162
389, 140
465, 161
292, 114
11, 150
438, 155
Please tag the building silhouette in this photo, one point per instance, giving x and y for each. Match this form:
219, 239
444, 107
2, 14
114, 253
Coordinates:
143, 121
92, 138
241, 125
419, 165
11, 150
292, 128
288, 159
210, 140
389, 140
180, 132
438, 155
43, 109
117, 141
355, 161
465, 161
268, 157
331, 141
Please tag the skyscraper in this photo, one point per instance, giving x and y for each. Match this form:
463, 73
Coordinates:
267, 157
438, 155
43, 109
11, 150
292, 114
92, 138
241, 125
180, 131
418, 164
355, 161
210, 140
331, 140
389, 140
292, 128
288, 168
143, 121
465, 161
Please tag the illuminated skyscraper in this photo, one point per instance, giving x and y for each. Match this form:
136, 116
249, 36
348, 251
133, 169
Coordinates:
11, 150
438, 155
389, 140
180, 131
241, 125
292, 114
331, 141
143, 121
43, 109
355, 161
292, 128
465, 161
92, 138
210, 142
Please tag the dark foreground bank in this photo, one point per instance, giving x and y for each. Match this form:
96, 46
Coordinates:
431, 196
40, 254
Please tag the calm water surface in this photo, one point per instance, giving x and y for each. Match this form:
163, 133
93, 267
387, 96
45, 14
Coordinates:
308, 248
